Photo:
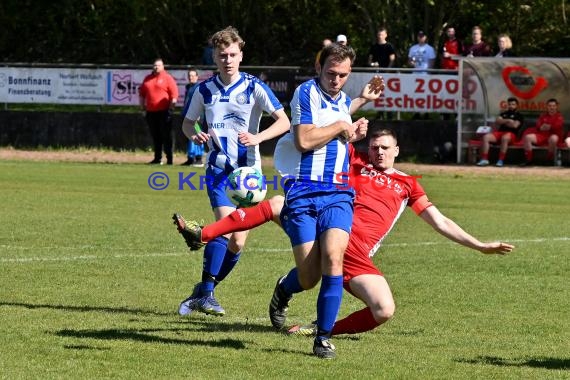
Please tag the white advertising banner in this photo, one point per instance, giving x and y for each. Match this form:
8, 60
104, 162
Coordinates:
80, 86
416, 93
54, 85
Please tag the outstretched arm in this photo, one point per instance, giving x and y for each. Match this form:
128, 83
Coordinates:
371, 91
452, 231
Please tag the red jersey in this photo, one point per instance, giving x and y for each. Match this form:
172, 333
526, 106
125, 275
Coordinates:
158, 91
453, 47
556, 122
381, 197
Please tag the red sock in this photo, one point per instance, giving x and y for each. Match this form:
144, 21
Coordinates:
242, 219
485, 156
357, 322
550, 156
502, 156
528, 155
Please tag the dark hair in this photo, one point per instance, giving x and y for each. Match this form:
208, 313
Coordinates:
192, 68
511, 99
384, 132
337, 52
552, 100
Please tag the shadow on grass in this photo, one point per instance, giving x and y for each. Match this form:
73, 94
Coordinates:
547, 363
143, 336
211, 324
86, 309
84, 347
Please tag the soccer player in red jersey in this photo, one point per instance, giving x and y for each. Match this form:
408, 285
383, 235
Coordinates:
548, 131
382, 193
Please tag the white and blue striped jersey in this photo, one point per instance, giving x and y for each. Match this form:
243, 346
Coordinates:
311, 105
229, 110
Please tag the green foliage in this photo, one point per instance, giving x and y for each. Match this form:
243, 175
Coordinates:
93, 270
282, 32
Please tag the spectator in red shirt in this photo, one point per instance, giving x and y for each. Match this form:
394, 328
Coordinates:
548, 131
158, 95
451, 50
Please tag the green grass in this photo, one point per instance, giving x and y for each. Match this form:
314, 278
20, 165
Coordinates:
92, 271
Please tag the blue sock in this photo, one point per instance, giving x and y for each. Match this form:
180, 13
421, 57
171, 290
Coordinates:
290, 284
213, 257
230, 261
328, 304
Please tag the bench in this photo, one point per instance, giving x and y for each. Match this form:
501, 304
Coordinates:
562, 152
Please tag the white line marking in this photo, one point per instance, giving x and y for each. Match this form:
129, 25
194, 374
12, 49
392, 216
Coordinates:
184, 253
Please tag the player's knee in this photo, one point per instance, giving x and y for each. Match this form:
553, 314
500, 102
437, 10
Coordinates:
236, 244
384, 313
308, 280
276, 202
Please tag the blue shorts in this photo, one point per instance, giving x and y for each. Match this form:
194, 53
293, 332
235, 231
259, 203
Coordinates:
308, 213
216, 183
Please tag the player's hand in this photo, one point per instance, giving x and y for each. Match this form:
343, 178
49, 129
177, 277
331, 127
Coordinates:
360, 129
200, 138
249, 139
373, 88
497, 247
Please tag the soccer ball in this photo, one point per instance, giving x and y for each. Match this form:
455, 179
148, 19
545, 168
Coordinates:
246, 186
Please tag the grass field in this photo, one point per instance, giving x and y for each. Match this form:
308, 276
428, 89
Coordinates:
92, 271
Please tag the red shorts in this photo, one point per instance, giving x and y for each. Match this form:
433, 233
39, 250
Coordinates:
499, 134
356, 263
541, 137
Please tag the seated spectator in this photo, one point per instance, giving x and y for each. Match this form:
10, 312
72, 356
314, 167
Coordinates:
547, 132
507, 125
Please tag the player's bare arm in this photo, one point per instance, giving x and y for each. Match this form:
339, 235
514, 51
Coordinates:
193, 133
309, 137
279, 127
453, 232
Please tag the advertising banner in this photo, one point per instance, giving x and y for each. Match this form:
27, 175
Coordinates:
412, 92
51, 85
123, 85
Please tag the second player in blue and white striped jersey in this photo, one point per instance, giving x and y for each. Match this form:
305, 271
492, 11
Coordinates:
229, 110
311, 105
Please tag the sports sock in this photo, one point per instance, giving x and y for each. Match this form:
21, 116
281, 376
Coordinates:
242, 219
230, 261
502, 156
328, 304
484, 156
357, 322
528, 155
290, 284
214, 254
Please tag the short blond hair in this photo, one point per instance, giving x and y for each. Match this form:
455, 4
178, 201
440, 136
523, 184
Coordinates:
225, 37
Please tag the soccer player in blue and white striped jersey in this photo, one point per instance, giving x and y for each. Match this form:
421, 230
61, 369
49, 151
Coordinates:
233, 103
318, 210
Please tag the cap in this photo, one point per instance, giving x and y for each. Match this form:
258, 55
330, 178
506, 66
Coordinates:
341, 38
421, 33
